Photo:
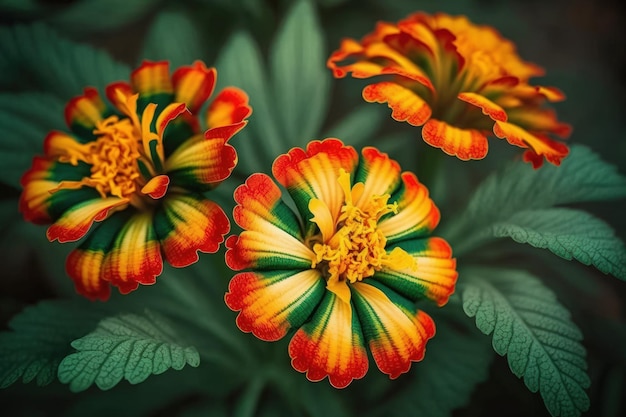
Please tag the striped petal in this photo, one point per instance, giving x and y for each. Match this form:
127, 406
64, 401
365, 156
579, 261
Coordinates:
331, 344
77, 220
152, 81
272, 237
313, 173
193, 85
85, 263
135, 256
396, 332
433, 276
230, 106
83, 112
379, 174
187, 224
417, 214
541, 146
488, 107
465, 144
405, 104
272, 303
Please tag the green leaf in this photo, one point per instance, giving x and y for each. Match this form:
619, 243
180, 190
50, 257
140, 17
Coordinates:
457, 359
128, 346
173, 36
568, 233
300, 79
534, 331
41, 59
26, 119
40, 336
582, 177
359, 126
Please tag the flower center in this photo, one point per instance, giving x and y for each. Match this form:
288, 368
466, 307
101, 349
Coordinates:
353, 248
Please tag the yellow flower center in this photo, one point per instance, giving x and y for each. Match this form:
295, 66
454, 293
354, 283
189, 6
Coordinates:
353, 248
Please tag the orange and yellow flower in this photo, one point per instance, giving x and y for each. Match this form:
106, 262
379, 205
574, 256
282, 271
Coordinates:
138, 166
460, 81
345, 269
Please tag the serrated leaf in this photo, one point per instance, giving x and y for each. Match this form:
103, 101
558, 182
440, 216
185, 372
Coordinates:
568, 233
457, 359
173, 36
534, 331
26, 119
39, 338
130, 347
301, 81
41, 59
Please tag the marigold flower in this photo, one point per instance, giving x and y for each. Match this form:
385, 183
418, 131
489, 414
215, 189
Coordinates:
460, 81
345, 271
138, 166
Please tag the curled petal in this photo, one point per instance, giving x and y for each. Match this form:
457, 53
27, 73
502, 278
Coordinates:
187, 224
331, 344
156, 187
488, 107
465, 144
193, 85
395, 330
553, 151
229, 107
378, 173
83, 112
405, 104
272, 303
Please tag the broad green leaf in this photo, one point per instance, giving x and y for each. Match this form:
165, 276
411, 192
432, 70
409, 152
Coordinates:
39, 338
130, 347
582, 177
36, 57
534, 331
568, 233
240, 64
173, 36
358, 127
26, 119
457, 359
300, 79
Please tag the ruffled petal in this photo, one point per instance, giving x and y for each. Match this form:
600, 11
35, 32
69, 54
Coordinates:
489, 108
230, 106
83, 112
272, 303
405, 104
77, 220
465, 144
433, 276
396, 332
551, 150
379, 174
417, 215
272, 238
187, 224
313, 173
193, 85
134, 257
85, 263
331, 344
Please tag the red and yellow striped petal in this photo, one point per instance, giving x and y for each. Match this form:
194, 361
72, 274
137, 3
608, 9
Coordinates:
417, 215
85, 263
489, 108
156, 188
331, 344
152, 78
433, 276
396, 332
115, 97
83, 112
134, 257
551, 150
77, 220
230, 106
405, 104
272, 303
186, 224
379, 174
539, 120
313, 173
465, 144
193, 85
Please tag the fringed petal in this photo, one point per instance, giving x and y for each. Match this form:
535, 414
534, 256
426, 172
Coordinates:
229, 107
465, 144
193, 85
405, 104
187, 224
396, 332
272, 303
330, 344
